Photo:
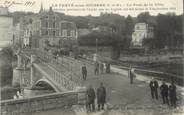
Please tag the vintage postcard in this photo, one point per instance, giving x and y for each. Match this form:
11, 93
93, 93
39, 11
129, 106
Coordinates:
91, 57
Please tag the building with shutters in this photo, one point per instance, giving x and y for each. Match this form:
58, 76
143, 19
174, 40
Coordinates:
48, 28
141, 31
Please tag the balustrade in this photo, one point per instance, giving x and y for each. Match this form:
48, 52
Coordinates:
62, 79
69, 68
34, 104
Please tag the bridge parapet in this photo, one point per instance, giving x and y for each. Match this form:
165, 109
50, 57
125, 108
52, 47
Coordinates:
63, 72
60, 80
46, 57
42, 103
63, 80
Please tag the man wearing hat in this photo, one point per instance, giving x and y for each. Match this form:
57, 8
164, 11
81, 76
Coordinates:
154, 88
131, 74
164, 92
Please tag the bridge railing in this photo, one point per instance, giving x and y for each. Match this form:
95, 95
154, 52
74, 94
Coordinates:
71, 65
63, 79
66, 67
45, 56
68, 64
46, 102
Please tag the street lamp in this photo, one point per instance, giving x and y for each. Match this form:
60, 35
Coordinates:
96, 45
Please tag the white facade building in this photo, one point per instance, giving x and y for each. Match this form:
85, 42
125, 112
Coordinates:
6, 28
141, 31
3, 10
27, 35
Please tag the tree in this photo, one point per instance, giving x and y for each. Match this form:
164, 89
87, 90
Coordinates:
168, 31
149, 44
143, 17
116, 46
114, 40
104, 39
129, 25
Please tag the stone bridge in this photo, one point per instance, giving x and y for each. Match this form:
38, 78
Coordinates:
39, 66
64, 74
33, 67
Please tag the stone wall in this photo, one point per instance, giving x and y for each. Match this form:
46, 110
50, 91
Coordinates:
41, 103
21, 76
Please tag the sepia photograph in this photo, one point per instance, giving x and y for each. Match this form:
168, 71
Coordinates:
91, 57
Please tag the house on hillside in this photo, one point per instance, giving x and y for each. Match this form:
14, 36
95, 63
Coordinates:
48, 26
141, 31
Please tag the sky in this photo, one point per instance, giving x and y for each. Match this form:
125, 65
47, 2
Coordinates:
126, 7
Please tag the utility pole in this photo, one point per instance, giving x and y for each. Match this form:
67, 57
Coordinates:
96, 45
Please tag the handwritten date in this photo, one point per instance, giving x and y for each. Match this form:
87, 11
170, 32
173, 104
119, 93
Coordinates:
8, 3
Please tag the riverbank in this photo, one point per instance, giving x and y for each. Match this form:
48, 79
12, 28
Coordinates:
7, 92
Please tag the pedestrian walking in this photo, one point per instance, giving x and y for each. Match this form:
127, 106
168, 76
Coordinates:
84, 72
90, 99
172, 94
131, 75
108, 67
101, 67
154, 88
57, 58
101, 96
104, 64
164, 93
96, 68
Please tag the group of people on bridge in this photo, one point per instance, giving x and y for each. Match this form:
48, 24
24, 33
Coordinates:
168, 93
99, 67
100, 95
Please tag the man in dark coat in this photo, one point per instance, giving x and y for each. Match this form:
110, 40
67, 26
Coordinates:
96, 68
90, 99
154, 86
101, 67
108, 67
164, 92
131, 75
84, 72
172, 94
101, 96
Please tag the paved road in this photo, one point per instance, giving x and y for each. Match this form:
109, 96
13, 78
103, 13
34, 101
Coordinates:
123, 94
120, 93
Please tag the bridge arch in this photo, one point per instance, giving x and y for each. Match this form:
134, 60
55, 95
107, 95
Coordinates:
49, 83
